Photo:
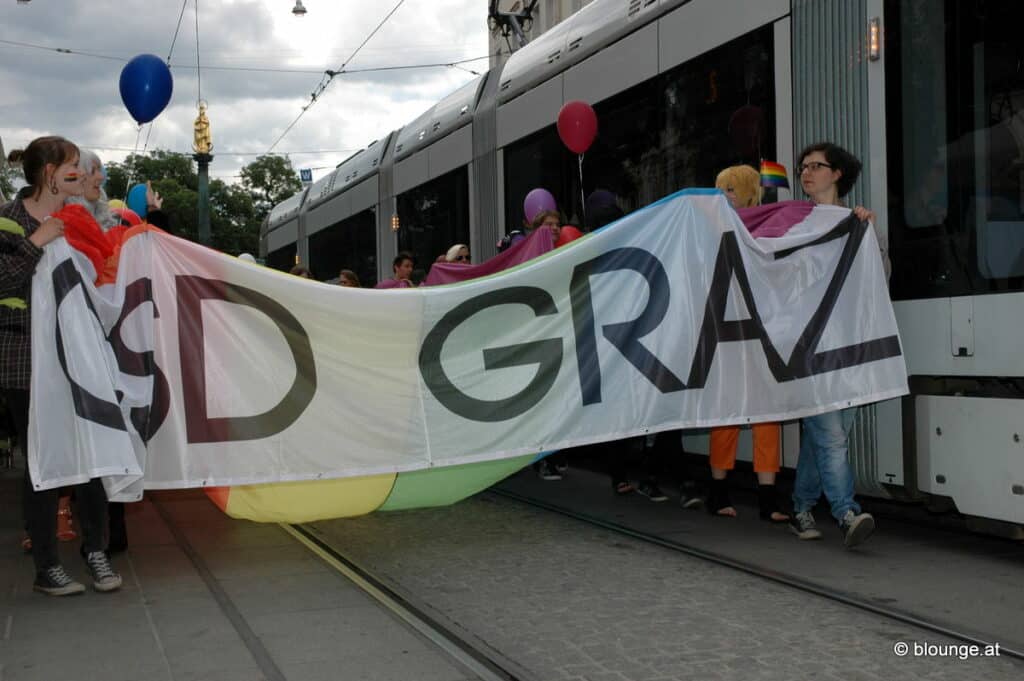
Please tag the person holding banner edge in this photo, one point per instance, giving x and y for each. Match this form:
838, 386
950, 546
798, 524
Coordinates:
827, 173
94, 198
51, 169
742, 186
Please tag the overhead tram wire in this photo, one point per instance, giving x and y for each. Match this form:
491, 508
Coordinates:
329, 76
255, 69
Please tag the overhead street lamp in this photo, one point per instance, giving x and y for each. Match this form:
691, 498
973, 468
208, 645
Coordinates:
299, 10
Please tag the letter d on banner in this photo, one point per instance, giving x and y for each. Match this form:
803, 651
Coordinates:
192, 291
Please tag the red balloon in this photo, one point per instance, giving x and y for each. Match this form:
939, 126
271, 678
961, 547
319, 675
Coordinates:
577, 126
567, 234
127, 216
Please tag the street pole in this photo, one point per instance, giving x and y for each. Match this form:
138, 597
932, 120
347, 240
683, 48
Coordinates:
203, 207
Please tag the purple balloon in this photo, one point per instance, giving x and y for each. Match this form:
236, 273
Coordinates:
538, 201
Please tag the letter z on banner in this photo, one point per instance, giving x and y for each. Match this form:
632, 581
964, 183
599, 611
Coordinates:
194, 368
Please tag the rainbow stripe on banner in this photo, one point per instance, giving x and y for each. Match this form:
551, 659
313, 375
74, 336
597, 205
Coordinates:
773, 175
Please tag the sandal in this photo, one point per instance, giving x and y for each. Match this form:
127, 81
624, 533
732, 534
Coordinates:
623, 487
768, 504
718, 499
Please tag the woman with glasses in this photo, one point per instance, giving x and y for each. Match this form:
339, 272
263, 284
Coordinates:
827, 173
458, 253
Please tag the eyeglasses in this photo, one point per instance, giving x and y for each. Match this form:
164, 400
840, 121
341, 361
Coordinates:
812, 166
462, 258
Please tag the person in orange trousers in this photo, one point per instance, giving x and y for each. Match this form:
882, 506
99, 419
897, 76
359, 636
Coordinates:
742, 186
766, 464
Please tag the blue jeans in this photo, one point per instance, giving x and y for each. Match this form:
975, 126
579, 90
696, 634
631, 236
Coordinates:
823, 465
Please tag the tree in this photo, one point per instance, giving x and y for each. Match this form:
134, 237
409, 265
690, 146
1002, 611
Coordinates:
233, 223
236, 210
270, 179
157, 166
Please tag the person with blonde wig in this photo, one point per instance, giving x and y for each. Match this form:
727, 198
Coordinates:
742, 186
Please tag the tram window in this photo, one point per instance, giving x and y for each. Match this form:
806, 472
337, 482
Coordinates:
955, 98
536, 161
673, 131
433, 216
350, 244
283, 258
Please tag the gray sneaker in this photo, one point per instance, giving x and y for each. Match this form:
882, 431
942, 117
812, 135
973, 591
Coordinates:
103, 576
55, 581
803, 526
691, 502
856, 527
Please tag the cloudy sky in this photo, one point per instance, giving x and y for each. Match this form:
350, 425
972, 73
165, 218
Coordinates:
76, 95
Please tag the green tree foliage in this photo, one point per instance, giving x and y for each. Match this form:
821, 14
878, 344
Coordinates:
235, 218
270, 180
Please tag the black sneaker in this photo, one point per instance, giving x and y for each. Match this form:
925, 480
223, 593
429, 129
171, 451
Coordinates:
651, 491
103, 576
55, 581
856, 527
803, 526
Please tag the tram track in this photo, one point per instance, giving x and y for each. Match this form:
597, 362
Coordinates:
485, 664
776, 576
473, 657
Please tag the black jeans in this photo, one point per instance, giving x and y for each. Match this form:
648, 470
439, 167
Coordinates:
40, 508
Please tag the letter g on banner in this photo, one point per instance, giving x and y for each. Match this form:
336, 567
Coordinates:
546, 354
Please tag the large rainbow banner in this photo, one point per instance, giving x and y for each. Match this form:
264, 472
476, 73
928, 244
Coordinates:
177, 366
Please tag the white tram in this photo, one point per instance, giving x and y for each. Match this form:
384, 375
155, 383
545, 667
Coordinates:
928, 93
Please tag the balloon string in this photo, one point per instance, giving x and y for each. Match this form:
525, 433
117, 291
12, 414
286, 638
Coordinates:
131, 168
583, 201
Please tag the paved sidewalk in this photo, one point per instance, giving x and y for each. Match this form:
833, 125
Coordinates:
259, 607
571, 602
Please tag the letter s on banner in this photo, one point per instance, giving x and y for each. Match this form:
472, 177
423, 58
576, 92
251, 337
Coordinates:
87, 406
192, 290
547, 354
147, 419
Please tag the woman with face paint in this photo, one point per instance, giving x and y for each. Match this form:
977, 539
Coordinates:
51, 169
93, 197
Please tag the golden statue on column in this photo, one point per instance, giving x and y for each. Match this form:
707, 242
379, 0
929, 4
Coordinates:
203, 142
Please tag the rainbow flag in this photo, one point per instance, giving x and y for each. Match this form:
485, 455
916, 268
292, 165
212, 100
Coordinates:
773, 175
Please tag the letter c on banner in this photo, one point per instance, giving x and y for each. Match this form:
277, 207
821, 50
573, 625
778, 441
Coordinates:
192, 291
546, 354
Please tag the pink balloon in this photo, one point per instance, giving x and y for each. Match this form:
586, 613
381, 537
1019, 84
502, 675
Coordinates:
536, 202
577, 126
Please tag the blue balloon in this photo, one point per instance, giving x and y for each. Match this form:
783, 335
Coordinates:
137, 200
146, 87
